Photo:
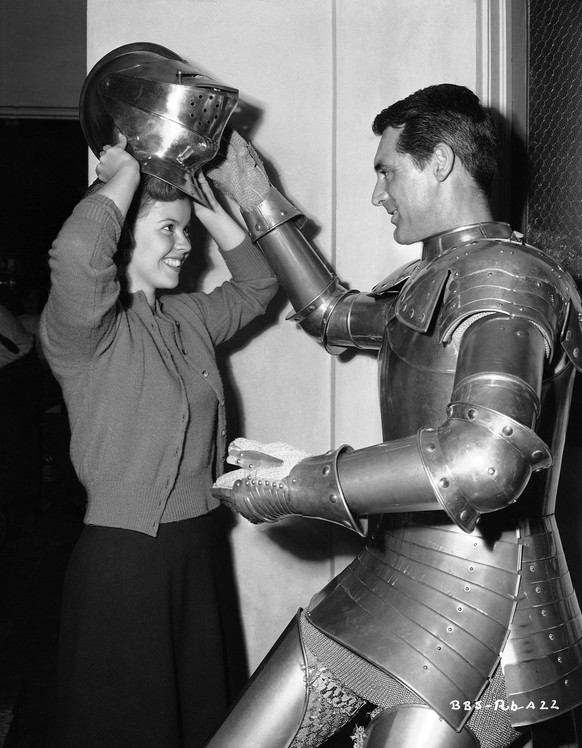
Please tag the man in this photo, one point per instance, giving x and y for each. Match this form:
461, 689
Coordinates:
458, 619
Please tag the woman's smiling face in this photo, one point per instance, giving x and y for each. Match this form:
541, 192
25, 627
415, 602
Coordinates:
161, 246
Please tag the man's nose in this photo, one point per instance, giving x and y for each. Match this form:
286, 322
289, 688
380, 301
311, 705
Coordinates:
379, 195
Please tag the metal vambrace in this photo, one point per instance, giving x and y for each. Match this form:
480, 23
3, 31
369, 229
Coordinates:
311, 286
477, 461
312, 489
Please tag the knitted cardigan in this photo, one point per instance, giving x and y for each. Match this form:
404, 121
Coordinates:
125, 399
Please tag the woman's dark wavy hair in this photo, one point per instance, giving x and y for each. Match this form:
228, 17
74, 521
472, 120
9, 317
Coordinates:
450, 114
150, 190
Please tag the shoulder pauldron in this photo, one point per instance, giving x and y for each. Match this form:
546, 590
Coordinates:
500, 276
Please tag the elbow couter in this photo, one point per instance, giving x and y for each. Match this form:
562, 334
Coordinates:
314, 317
480, 461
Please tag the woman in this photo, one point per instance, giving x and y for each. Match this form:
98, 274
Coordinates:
142, 660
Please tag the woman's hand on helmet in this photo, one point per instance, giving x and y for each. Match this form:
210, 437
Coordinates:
225, 231
114, 158
238, 172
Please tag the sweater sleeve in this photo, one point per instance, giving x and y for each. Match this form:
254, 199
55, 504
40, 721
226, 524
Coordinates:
79, 318
230, 306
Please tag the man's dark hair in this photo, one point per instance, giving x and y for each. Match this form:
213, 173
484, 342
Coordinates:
449, 114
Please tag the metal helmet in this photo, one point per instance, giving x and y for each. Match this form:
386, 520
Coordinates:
172, 115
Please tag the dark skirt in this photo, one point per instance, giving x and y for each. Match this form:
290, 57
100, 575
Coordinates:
150, 651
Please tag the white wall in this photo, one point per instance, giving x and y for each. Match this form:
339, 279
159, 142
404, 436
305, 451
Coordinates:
317, 72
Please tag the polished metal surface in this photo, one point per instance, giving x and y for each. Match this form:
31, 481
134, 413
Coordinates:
415, 727
542, 658
429, 604
315, 491
172, 114
270, 213
269, 711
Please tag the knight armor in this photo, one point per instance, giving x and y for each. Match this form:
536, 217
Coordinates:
479, 342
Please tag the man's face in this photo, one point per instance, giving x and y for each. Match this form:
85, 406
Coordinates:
407, 193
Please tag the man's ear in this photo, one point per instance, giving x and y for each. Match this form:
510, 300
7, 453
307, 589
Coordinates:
443, 161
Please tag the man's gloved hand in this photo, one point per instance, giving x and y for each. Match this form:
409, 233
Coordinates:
258, 489
257, 499
276, 480
238, 172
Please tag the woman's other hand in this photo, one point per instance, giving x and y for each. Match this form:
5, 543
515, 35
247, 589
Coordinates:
221, 226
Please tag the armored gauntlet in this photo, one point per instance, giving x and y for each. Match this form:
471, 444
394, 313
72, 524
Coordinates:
311, 489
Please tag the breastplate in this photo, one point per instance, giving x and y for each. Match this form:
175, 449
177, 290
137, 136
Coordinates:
416, 378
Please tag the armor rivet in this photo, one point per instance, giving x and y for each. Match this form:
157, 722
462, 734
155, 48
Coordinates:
471, 568
326, 470
250, 465
294, 480
404, 306
532, 567
411, 313
258, 227
425, 667
491, 471
576, 352
471, 414
551, 637
507, 430
450, 629
467, 588
538, 590
560, 659
444, 483
421, 318
566, 682
460, 609
333, 498
544, 613
439, 648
